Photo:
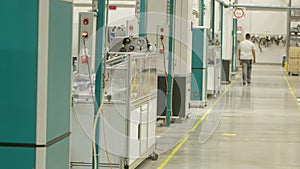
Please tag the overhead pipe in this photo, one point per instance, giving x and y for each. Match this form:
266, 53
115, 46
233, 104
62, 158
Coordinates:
257, 7
226, 5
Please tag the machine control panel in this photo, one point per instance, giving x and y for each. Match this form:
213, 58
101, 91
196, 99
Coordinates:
86, 39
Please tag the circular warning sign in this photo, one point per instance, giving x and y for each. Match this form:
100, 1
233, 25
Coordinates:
238, 13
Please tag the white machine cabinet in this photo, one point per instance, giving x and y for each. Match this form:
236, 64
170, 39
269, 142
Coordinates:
128, 124
129, 110
214, 70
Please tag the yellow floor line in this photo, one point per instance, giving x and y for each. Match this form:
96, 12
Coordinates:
229, 135
173, 152
291, 89
195, 126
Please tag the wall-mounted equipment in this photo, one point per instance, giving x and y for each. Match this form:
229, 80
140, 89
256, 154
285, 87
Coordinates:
86, 45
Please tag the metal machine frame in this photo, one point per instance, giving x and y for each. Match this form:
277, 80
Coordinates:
130, 110
128, 124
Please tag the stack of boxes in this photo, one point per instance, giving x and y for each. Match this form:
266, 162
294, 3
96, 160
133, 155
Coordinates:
294, 60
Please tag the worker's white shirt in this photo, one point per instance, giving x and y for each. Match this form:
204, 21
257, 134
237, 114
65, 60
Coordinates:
246, 48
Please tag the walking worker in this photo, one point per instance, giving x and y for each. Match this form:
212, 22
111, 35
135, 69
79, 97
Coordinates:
247, 57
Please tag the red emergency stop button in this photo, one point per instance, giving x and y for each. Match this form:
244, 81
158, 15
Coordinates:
84, 59
85, 21
112, 7
131, 27
85, 34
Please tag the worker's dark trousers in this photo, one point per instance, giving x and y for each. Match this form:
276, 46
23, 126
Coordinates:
247, 67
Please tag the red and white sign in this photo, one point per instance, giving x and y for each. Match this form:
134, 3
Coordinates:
239, 13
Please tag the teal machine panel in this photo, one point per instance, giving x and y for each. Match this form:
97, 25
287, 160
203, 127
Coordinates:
199, 85
58, 155
17, 158
198, 48
59, 83
19, 47
59, 68
18, 68
198, 95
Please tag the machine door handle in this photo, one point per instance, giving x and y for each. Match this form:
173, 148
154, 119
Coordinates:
139, 131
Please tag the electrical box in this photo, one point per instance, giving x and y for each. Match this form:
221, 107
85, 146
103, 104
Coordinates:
86, 45
162, 39
162, 46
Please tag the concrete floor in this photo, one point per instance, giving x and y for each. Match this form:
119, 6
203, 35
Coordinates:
252, 127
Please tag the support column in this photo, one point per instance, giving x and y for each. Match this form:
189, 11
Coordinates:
221, 27
100, 53
143, 17
170, 64
201, 12
234, 45
213, 11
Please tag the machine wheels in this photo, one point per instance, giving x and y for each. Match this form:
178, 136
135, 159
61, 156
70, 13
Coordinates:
153, 156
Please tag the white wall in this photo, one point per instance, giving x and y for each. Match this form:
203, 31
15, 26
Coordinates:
119, 16
295, 3
264, 2
266, 23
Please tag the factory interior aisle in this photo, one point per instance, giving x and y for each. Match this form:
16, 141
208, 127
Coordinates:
259, 128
